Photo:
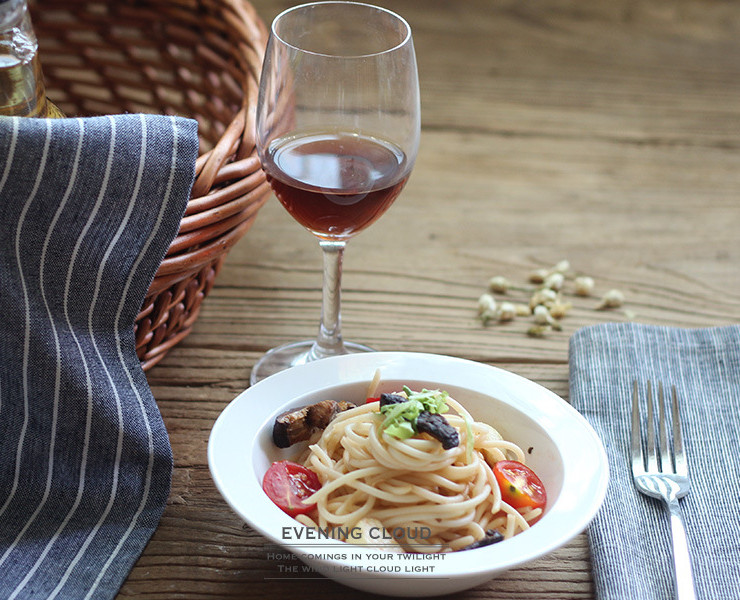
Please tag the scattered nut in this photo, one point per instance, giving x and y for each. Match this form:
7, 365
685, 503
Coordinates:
499, 284
537, 331
584, 286
562, 267
612, 299
554, 281
560, 309
522, 310
486, 307
486, 303
543, 296
541, 315
538, 276
506, 312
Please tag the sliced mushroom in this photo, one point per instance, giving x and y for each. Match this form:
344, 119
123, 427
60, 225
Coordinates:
298, 425
438, 427
291, 427
386, 399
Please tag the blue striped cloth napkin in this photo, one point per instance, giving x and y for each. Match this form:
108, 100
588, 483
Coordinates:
88, 208
630, 537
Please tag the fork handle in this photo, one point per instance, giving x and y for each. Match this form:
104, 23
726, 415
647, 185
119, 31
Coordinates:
683, 576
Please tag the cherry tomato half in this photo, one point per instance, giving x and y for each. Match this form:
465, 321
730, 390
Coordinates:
520, 486
288, 484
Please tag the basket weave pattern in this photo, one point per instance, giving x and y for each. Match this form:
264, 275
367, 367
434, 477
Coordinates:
195, 58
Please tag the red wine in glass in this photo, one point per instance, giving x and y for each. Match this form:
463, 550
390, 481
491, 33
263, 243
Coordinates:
335, 184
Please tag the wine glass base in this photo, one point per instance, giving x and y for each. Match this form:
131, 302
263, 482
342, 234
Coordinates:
289, 355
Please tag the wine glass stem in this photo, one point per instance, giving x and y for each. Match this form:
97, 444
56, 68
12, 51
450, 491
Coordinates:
329, 340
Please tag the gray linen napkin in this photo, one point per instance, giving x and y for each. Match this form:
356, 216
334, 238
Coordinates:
630, 537
88, 208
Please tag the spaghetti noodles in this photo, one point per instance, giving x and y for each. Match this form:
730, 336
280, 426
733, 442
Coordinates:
413, 484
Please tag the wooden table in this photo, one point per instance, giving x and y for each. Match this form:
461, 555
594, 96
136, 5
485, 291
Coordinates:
604, 132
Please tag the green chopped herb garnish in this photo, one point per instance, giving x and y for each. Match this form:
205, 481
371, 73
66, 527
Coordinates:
433, 400
401, 430
400, 418
403, 412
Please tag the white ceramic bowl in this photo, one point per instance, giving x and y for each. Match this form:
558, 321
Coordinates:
565, 453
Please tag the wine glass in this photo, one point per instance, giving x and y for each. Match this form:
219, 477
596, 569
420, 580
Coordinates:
337, 133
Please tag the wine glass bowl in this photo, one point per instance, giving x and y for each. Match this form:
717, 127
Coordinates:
337, 133
335, 184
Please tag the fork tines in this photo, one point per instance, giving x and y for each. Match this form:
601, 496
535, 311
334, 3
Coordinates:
665, 456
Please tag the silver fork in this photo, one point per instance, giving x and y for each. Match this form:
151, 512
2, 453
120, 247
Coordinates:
664, 476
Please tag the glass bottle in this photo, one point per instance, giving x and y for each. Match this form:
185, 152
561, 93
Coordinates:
22, 91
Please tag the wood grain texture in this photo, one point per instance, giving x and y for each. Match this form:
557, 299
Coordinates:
603, 132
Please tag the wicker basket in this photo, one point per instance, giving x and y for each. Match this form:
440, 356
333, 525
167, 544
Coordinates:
194, 58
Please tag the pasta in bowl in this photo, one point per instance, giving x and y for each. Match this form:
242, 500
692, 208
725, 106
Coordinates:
403, 470
387, 509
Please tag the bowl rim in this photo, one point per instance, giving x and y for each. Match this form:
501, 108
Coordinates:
582, 452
